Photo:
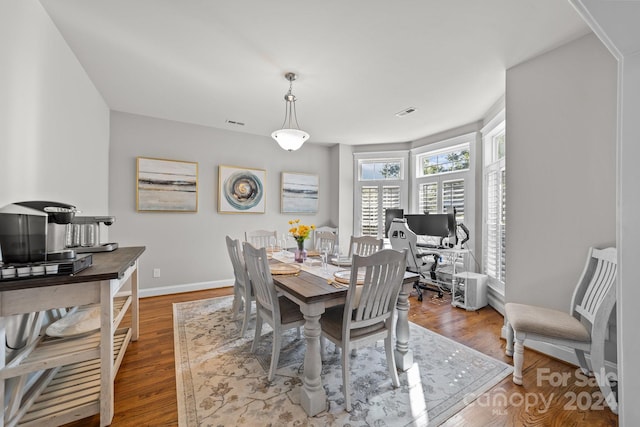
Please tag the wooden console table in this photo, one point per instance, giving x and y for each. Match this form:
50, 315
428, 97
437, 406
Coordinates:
54, 381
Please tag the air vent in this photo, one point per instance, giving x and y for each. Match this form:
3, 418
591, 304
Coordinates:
233, 122
406, 111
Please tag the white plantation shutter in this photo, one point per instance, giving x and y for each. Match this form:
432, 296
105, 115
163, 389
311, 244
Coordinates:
503, 222
495, 220
492, 249
428, 198
453, 195
369, 211
375, 200
390, 198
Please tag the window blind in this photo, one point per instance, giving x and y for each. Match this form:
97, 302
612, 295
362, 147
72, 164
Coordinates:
369, 211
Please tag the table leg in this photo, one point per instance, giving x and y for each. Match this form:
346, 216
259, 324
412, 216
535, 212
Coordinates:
312, 395
402, 353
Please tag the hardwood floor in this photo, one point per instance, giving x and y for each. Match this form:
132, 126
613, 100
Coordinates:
145, 387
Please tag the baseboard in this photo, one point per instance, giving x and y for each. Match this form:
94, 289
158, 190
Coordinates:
187, 287
495, 300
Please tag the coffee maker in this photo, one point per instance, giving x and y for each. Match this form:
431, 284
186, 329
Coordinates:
32, 240
59, 216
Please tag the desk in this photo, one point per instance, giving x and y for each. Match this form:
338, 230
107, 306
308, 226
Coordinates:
450, 257
311, 291
102, 351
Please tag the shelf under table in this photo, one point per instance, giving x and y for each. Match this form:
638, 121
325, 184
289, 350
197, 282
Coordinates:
49, 352
73, 392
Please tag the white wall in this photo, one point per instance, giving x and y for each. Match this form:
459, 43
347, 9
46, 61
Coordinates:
54, 125
561, 169
628, 237
189, 248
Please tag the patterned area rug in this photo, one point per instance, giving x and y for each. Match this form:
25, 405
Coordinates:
220, 383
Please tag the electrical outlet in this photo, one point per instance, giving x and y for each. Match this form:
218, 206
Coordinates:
156, 272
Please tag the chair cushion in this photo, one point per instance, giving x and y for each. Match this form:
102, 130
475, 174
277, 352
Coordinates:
545, 321
331, 324
289, 311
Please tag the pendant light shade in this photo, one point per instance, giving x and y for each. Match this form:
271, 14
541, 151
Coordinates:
290, 137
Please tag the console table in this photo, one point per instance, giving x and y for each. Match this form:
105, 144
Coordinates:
54, 381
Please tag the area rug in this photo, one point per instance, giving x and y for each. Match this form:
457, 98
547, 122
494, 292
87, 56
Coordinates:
221, 383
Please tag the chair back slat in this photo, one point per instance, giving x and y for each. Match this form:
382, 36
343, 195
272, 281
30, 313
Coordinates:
600, 276
258, 270
364, 245
383, 276
261, 238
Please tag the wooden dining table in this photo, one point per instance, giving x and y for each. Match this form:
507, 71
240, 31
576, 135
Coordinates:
314, 290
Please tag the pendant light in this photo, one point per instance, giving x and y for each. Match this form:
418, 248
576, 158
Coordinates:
290, 138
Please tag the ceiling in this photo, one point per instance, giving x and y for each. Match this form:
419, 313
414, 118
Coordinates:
358, 62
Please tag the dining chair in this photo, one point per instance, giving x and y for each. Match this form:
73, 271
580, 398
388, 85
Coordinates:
261, 238
369, 311
584, 328
327, 238
242, 290
278, 311
364, 245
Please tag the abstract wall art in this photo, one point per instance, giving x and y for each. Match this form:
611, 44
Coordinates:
166, 185
299, 193
241, 190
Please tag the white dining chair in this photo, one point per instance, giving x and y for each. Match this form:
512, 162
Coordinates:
584, 328
261, 238
242, 290
325, 238
278, 311
369, 311
364, 245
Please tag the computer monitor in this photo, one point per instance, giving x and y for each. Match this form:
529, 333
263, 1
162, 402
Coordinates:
389, 216
436, 225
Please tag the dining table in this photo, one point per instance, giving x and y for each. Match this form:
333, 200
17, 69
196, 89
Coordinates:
314, 287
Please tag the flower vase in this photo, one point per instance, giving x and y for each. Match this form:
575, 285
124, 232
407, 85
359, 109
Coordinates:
301, 252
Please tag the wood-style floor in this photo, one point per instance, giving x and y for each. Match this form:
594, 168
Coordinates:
552, 395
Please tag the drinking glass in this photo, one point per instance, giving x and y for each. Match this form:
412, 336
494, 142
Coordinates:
325, 249
272, 243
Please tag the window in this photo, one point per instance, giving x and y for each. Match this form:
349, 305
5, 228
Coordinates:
494, 214
442, 174
380, 185
449, 160
376, 170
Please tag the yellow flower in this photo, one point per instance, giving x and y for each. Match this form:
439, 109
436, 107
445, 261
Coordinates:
299, 231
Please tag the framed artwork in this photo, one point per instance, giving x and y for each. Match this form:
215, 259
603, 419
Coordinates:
166, 185
299, 193
241, 190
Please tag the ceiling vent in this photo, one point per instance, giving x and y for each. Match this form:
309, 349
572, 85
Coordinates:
233, 122
406, 111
